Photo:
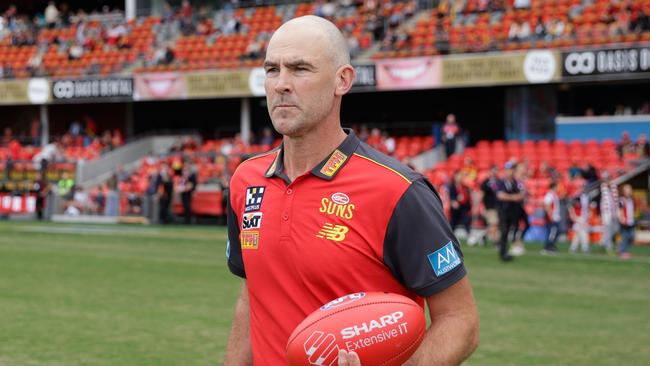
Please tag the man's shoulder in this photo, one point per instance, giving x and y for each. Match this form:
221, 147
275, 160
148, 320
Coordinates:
382, 165
256, 164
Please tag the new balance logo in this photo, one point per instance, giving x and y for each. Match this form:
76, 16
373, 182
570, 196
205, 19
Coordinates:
254, 197
333, 232
321, 349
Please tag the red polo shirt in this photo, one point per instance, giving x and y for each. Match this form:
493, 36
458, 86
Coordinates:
359, 221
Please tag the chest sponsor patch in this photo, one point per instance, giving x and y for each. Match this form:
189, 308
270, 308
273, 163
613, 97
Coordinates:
251, 220
444, 259
249, 239
254, 196
333, 232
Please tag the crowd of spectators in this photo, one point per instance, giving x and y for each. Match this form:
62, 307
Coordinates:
548, 198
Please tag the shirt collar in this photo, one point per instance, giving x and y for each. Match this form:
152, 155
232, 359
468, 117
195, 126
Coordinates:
326, 169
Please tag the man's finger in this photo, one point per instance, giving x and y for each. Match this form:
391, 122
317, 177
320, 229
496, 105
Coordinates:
343, 358
353, 357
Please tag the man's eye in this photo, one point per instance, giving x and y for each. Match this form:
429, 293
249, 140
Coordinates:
271, 69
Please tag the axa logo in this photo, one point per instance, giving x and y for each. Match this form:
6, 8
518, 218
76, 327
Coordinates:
251, 220
337, 204
321, 349
333, 232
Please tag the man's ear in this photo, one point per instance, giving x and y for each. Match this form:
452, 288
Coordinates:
344, 79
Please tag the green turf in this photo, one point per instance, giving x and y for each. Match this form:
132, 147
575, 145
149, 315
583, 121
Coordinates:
133, 295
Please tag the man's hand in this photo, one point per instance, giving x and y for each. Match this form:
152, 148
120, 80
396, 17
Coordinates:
348, 358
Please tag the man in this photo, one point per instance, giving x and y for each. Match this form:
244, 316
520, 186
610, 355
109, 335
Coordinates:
521, 174
579, 214
509, 198
608, 211
626, 219
553, 218
461, 203
187, 187
450, 132
325, 215
489, 191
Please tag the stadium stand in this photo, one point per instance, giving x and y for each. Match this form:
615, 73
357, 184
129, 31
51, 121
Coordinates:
101, 44
479, 26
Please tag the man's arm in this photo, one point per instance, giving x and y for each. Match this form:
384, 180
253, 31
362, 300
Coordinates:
454, 331
239, 351
453, 334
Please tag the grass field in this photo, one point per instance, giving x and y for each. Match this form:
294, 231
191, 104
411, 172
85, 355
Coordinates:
132, 295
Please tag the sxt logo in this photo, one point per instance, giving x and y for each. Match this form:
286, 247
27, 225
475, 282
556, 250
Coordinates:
321, 349
251, 221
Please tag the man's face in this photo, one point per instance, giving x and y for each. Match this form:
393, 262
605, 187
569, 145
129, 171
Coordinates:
300, 81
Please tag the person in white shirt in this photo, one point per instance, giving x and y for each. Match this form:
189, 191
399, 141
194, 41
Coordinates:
51, 14
579, 214
553, 217
626, 218
608, 211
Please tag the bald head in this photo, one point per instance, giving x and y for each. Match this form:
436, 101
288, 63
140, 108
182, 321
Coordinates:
321, 32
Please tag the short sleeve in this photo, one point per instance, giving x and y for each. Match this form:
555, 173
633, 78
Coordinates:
233, 249
419, 246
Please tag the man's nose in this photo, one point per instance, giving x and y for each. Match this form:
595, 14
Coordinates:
283, 82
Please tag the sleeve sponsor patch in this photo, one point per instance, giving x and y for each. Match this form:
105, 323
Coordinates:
444, 259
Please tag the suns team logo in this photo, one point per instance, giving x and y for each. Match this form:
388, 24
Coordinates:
337, 204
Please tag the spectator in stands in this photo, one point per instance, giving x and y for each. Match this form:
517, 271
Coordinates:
460, 199
186, 187
35, 132
165, 189
579, 213
521, 224
644, 109
588, 172
608, 211
51, 15
626, 220
546, 171
7, 136
553, 218
642, 147
574, 170
42, 189
469, 169
508, 197
267, 137
521, 4
626, 145
388, 142
65, 185
185, 17
450, 134
489, 189
112, 207
253, 50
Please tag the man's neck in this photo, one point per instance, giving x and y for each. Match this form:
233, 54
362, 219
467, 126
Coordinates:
302, 154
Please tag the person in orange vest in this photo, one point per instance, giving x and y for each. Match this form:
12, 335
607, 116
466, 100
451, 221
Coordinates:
626, 218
